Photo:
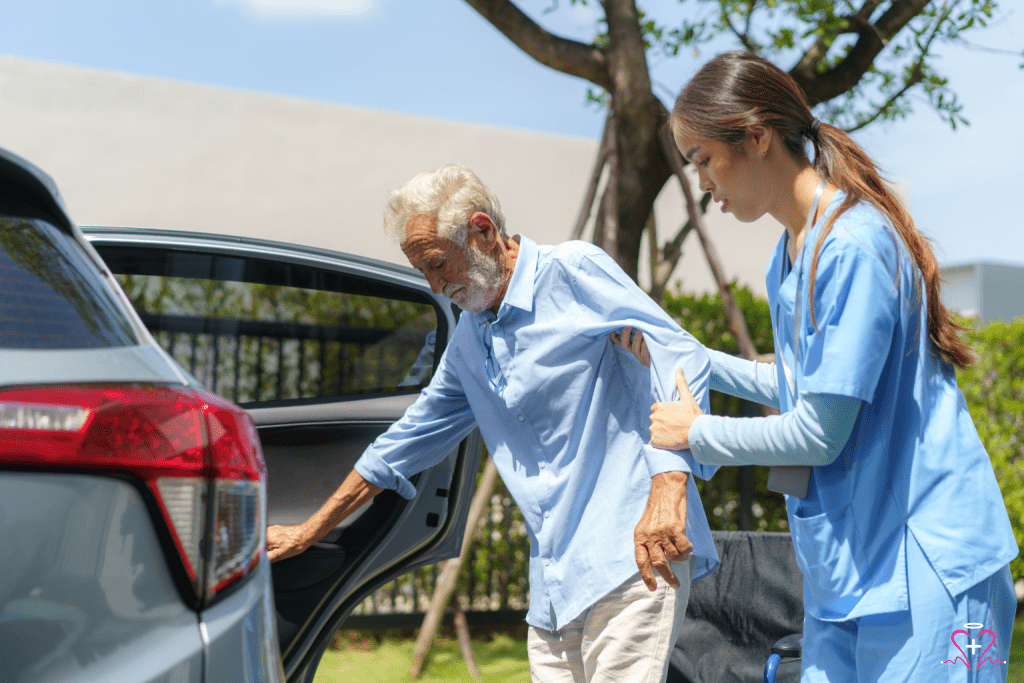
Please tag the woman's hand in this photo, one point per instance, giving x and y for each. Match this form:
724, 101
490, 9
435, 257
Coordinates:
637, 347
670, 422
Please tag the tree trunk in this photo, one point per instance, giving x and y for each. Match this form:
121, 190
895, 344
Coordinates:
450, 571
618, 65
641, 169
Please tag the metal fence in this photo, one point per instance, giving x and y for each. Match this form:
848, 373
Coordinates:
493, 580
493, 585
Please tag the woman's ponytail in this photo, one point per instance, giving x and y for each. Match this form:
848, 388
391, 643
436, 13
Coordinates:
843, 163
737, 90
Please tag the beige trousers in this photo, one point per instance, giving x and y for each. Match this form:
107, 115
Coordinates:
625, 637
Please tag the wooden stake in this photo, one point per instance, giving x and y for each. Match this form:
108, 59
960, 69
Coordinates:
445, 585
595, 181
462, 632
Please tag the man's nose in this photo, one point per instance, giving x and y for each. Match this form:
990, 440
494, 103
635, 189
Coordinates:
436, 282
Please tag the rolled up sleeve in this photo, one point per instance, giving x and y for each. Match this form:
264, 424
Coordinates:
430, 428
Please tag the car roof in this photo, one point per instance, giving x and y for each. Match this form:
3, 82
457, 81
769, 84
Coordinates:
34, 186
255, 242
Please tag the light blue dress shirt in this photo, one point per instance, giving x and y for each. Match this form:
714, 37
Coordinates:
565, 415
913, 463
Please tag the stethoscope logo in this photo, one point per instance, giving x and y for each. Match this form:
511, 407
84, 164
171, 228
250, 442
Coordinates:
972, 644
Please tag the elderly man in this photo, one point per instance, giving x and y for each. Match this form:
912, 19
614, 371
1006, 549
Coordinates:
564, 413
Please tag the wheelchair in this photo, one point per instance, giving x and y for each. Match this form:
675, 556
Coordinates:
784, 661
743, 621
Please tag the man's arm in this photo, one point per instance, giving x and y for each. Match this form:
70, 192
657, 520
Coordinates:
660, 535
286, 541
434, 424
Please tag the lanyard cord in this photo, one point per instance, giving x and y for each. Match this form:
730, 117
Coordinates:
797, 300
793, 480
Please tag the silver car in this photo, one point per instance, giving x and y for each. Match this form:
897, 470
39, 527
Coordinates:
163, 397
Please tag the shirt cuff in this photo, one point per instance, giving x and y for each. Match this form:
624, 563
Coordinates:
373, 469
660, 460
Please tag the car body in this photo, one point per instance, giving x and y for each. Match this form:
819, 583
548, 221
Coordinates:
116, 575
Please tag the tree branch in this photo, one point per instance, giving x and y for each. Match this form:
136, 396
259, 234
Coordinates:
866, 10
595, 179
445, 584
662, 269
872, 39
562, 54
917, 73
742, 37
916, 77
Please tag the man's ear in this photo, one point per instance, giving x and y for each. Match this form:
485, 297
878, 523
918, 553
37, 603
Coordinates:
482, 226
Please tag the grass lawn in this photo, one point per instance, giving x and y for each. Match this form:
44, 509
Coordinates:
356, 657
361, 658
1017, 653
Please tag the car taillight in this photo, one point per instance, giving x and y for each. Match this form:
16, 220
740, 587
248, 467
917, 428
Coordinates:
197, 452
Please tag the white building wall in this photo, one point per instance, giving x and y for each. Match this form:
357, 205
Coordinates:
985, 289
136, 151
960, 289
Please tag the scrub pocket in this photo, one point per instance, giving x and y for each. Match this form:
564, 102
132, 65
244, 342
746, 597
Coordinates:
825, 551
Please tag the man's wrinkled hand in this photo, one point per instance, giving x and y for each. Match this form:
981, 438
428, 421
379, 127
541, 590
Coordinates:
637, 347
671, 421
285, 541
660, 535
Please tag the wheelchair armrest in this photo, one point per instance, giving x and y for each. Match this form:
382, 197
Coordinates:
789, 646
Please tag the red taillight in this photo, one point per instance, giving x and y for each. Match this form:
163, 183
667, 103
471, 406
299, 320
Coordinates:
194, 450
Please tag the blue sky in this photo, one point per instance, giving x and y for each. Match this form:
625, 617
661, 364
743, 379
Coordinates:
439, 59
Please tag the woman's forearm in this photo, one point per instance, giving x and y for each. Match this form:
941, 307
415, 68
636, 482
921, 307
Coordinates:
750, 380
814, 433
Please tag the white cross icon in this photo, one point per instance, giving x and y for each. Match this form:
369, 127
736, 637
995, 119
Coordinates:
973, 646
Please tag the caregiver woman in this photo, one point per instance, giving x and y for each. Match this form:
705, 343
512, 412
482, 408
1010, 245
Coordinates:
903, 537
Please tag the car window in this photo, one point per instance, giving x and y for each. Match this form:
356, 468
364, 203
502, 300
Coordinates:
52, 296
257, 330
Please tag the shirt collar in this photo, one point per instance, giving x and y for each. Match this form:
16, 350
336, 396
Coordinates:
520, 287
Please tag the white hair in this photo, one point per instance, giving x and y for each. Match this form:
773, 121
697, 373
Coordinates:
452, 193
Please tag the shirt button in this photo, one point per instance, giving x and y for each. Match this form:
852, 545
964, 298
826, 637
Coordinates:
546, 515
543, 465
547, 563
522, 417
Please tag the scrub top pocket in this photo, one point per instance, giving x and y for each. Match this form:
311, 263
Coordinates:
825, 551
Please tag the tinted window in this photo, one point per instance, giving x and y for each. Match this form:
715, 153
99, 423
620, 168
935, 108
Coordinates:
51, 295
254, 330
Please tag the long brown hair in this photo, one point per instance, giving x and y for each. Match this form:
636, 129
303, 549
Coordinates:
737, 90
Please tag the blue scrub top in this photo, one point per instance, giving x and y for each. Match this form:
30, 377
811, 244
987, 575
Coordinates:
914, 465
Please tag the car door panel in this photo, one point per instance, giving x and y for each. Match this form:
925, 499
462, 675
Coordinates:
324, 351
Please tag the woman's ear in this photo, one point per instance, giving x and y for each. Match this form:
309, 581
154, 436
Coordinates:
759, 139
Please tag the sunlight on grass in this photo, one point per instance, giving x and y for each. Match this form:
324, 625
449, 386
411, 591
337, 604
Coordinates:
364, 661
361, 659
1016, 666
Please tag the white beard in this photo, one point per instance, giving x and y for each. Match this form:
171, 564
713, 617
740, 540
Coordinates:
484, 276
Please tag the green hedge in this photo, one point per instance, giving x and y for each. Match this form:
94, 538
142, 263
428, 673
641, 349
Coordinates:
994, 389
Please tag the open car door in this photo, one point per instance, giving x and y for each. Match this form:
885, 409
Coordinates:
324, 351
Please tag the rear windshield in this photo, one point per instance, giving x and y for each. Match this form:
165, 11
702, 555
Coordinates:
51, 295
